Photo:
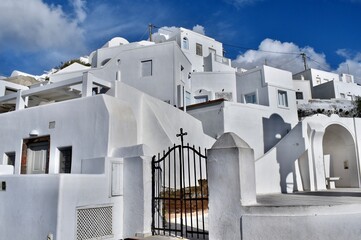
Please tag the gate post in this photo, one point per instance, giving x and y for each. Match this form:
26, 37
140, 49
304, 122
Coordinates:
137, 195
231, 183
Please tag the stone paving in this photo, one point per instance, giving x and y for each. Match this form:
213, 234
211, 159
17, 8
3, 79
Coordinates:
345, 199
338, 196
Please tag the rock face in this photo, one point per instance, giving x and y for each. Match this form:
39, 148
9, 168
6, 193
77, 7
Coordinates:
22, 80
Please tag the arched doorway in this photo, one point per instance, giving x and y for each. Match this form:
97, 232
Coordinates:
339, 144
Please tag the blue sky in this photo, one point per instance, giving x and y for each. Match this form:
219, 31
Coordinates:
36, 35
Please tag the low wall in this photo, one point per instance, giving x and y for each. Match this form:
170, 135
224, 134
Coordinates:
333, 226
28, 207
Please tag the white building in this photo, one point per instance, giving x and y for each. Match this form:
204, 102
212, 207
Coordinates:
327, 85
80, 146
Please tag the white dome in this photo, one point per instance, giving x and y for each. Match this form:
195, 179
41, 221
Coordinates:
117, 41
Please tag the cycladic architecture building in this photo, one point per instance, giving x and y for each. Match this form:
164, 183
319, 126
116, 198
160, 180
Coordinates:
76, 148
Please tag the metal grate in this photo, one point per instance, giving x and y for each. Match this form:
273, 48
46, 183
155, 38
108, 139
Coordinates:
94, 223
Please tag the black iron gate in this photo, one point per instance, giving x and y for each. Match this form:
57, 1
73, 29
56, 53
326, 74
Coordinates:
180, 192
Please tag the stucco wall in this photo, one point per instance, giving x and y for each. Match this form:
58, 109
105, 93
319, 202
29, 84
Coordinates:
167, 59
304, 87
215, 82
86, 117
324, 91
250, 82
29, 207
350, 90
158, 122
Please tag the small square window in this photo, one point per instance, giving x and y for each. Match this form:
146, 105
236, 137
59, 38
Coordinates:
10, 158
282, 98
147, 68
299, 95
199, 49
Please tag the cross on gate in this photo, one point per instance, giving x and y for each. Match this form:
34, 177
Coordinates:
181, 134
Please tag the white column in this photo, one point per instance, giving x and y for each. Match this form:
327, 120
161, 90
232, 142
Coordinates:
21, 102
87, 85
231, 184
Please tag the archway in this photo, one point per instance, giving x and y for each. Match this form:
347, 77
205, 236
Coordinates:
339, 144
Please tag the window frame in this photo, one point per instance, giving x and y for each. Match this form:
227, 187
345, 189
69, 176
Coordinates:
199, 49
10, 158
61, 155
250, 94
297, 95
142, 72
282, 101
185, 43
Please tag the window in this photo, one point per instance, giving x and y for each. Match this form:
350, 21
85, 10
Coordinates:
250, 98
9, 91
188, 98
299, 95
342, 95
105, 61
65, 159
10, 158
185, 43
201, 99
95, 91
282, 98
146, 68
199, 50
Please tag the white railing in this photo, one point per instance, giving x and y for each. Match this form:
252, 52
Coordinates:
221, 59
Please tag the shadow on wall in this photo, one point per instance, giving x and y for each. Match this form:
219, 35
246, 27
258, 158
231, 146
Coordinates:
288, 151
274, 129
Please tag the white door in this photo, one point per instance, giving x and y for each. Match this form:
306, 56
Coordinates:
37, 158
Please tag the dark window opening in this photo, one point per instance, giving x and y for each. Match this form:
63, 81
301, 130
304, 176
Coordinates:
65, 159
299, 95
199, 49
10, 158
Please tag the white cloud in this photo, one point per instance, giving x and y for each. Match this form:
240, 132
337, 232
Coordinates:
283, 55
344, 53
241, 3
32, 25
199, 29
351, 65
79, 9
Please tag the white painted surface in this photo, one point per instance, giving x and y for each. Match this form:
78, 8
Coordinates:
230, 155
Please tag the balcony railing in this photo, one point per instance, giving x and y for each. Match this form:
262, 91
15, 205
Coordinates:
221, 59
